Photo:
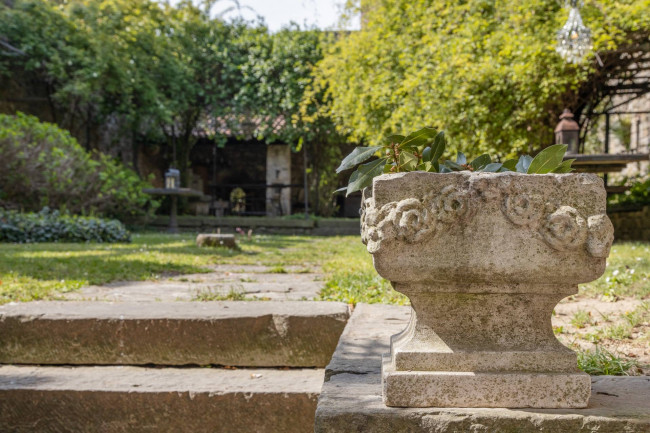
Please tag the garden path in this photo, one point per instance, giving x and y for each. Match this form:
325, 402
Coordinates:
226, 282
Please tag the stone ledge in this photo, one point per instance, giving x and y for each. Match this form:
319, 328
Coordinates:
135, 399
351, 398
248, 334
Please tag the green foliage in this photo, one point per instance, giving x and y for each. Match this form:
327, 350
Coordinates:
166, 71
601, 362
637, 195
210, 294
51, 226
581, 319
158, 68
355, 287
276, 90
484, 71
43, 165
421, 151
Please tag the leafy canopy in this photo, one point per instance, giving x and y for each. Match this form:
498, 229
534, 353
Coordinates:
484, 70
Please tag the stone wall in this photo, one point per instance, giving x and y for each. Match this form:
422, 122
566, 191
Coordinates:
631, 224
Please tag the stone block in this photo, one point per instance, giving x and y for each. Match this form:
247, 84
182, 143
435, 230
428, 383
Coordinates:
484, 259
351, 397
217, 240
248, 334
136, 399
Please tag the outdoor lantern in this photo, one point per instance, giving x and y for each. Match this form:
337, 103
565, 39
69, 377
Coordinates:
568, 132
172, 179
573, 39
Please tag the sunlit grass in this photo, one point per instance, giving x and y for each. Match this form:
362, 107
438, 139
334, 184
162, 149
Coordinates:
627, 274
602, 362
41, 271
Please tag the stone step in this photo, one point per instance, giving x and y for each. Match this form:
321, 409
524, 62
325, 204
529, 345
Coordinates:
230, 333
351, 397
137, 399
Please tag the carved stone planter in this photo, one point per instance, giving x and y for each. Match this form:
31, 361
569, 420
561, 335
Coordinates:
484, 259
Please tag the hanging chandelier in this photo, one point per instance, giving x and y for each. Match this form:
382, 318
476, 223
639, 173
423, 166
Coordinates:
573, 39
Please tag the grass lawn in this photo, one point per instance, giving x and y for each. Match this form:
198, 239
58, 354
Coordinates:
43, 271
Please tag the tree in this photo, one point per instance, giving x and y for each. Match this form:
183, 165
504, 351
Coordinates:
277, 90
485, 71
158, 69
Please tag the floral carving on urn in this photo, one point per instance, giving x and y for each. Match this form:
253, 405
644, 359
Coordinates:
412, 220
453, 204
600, 235
521, 209
565, 229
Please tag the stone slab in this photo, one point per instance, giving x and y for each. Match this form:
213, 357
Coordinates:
351, 398
485, 389
250, 281
232, 333
216, 240
136, 399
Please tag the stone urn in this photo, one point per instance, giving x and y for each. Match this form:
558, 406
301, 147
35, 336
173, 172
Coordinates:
484, 258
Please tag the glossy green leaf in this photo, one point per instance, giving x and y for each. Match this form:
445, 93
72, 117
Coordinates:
407, 161
548, 159
523, 163
358, 155
427, 154
438, 146
452, 166
510, 164
492, 167
363, 176
481, 161
394, 139
418, 138
565, 167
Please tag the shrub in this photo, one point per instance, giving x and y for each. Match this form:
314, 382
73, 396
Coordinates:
43, 165
52, 226
637, 195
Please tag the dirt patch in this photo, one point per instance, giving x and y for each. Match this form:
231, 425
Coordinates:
621, 326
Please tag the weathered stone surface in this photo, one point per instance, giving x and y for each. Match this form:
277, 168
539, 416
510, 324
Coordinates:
134, 399
351, 398
249, 334
217, 240
251, 281
484, 258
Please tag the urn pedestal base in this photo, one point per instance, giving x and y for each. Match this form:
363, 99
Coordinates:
467, 389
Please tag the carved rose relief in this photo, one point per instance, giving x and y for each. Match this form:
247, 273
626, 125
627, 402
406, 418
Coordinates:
521, 210
601, 235
414, 219
565, 229
375, 224
452, 204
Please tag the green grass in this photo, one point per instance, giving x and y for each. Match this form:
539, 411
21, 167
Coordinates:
42, 271
602, 362
627, 274
234, 294
581, 319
